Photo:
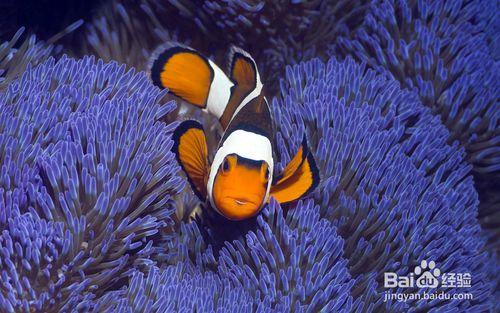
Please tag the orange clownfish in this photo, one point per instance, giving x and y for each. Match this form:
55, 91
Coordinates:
239, 181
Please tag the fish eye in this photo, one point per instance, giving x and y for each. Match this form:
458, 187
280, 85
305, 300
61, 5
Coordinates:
264, 173
225, 165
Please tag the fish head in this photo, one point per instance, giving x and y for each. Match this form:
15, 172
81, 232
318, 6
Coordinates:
240, 187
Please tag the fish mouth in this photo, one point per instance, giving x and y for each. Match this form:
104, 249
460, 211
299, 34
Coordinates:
237, 208
241, 200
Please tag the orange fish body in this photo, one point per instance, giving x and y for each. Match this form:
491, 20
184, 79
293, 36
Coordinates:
239, 180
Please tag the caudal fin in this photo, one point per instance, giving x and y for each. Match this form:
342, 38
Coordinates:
184, 71
191, 76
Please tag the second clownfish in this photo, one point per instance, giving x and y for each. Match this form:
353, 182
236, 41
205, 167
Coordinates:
239, 180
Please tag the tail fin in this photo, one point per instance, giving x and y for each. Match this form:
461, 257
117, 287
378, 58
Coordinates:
184, 71
191, 76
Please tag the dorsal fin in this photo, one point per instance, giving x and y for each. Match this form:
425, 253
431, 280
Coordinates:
243, 69
245, 75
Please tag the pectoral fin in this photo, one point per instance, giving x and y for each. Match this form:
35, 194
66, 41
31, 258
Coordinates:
190, 148
299, 177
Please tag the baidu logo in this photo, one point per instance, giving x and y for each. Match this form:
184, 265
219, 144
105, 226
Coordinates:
427, 275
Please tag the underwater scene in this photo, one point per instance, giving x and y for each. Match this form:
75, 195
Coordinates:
250, 156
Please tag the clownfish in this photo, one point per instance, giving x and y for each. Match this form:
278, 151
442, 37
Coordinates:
239, 181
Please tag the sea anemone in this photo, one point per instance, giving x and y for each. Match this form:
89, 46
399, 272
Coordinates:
179, 288
430, 47
38, 268
394, 193
483, 15
493, 34
94, 213
393, 187
16, 55
88, 179
126, 32
291, 264
438, 48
